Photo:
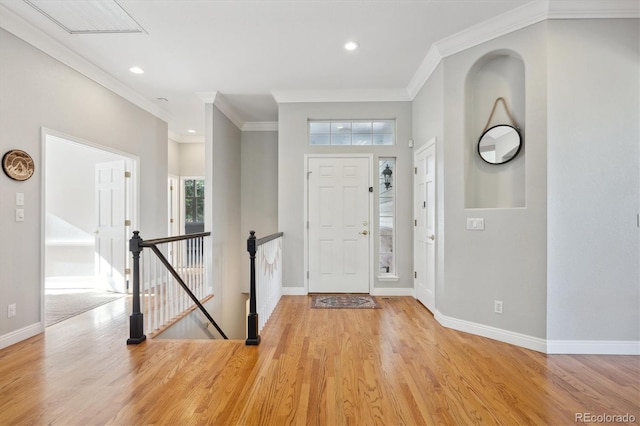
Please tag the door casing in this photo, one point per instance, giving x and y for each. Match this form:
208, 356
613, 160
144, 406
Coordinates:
421, 214
373, 232
132, 202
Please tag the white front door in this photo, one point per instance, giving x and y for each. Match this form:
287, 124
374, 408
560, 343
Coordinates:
111, 231
339, 224
424, 231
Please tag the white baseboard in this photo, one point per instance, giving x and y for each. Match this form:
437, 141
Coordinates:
294, 291
518, 339
593, 347
389, 291
14, 337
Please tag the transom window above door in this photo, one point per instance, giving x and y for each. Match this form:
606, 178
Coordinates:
352, 132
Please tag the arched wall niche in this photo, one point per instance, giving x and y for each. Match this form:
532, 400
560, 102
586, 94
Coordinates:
500, 73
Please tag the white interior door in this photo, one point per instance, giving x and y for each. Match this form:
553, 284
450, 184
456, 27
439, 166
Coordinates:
424, 232
111, 231
174, 205
339, 224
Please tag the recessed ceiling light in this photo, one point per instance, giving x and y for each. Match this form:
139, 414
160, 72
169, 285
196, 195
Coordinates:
351, 45
191, 131
136, 70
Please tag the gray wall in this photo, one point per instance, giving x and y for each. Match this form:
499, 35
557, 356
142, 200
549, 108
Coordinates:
38, 91
222, 218
259, 154
293, 145
506, 261
594, 116
579, 279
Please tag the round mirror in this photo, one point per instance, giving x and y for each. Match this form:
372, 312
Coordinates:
499, 144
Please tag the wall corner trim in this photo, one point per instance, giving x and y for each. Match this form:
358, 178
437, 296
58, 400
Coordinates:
594, 347
393, 291
294, 291
518, 339
16, 336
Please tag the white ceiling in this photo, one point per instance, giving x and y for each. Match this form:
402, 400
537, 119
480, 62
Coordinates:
248, 49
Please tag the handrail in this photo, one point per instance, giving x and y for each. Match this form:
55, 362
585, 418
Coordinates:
264, 240
136, 244
253, 324
156, 241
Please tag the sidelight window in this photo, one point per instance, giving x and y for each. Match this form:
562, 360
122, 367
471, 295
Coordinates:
387, 213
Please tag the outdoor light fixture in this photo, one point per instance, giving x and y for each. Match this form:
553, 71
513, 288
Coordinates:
386, 173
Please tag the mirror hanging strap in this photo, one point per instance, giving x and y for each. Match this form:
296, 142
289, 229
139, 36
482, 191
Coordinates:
493, 110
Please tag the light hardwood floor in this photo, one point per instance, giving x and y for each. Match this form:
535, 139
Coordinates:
390, 366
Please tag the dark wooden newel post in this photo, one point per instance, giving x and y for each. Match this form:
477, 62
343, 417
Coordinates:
253, 338
136, 329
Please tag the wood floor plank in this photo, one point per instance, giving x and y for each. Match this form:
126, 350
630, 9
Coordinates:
390, 366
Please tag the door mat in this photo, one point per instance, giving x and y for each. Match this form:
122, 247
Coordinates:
63, 304
344, 302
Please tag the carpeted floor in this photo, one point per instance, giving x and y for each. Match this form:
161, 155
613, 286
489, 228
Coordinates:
346, 301
61, 304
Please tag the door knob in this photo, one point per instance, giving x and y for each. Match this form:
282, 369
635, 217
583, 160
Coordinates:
365, 232
432, 237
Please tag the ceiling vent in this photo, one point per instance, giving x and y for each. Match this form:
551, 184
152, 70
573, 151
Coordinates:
88, 16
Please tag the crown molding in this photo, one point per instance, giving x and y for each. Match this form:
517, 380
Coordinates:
426, 68
223, 105
185, 138
260, 126
356, 95
20, 28
603, 9
516, 19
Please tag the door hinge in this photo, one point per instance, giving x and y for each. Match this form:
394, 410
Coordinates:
307, 274
371, 189
127, 174
127, 271
170, 220
424, 204
127, 223
171, 188
415, 274
415, 222
415, 170
307, 224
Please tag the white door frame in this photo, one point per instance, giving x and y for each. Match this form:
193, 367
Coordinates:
430, 143
131, 204
373, 233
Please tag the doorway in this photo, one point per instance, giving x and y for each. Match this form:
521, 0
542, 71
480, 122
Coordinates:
339, 241
89, 209
425, 225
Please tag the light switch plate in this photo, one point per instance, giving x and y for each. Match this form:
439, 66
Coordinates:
19, 215
475, 223
19, 198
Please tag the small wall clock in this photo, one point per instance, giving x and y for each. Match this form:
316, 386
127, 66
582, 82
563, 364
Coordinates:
18, 165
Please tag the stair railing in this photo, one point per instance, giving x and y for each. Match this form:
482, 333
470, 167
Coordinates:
171, 287
265, 281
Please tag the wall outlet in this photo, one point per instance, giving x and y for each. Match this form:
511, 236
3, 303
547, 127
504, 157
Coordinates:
11, 310
497, 306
